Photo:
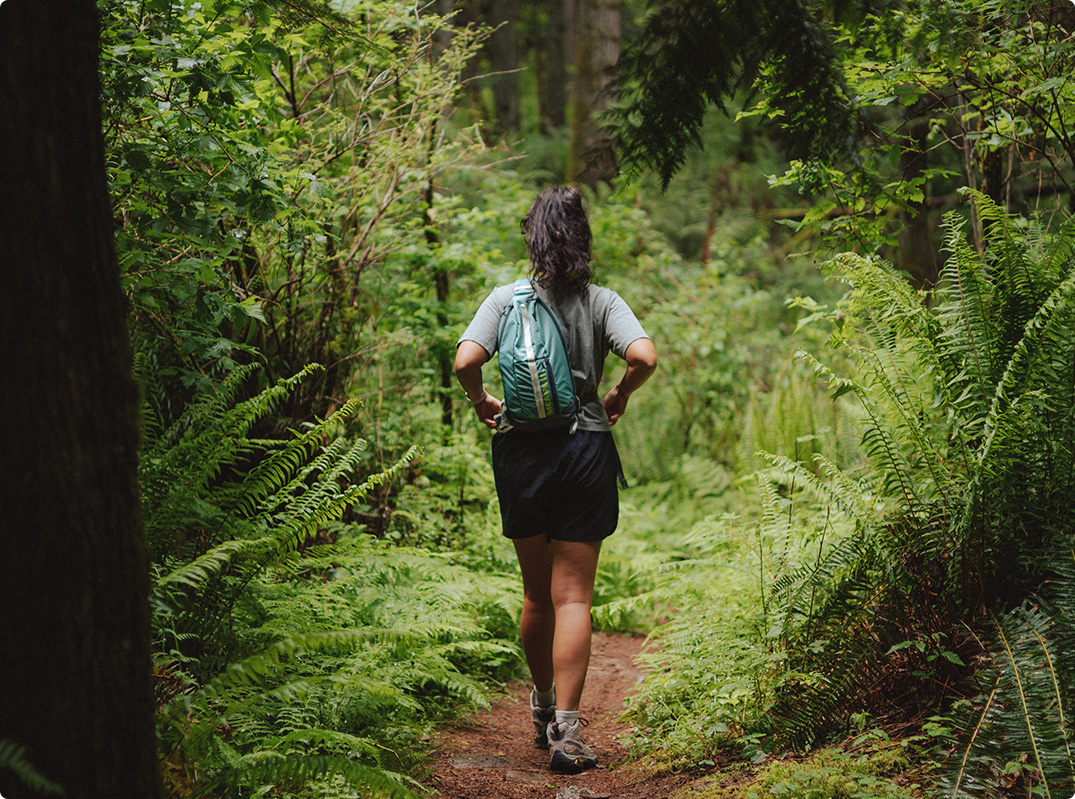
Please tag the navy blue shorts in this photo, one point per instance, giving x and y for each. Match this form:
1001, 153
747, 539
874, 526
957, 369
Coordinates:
558, 484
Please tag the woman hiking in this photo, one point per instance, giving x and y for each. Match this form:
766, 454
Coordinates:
557, 488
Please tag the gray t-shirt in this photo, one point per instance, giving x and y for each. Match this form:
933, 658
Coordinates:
597, 321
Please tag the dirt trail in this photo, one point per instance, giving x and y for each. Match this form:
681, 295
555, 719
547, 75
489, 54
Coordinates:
493, 756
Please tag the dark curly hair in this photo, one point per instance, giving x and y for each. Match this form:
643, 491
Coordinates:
558, 239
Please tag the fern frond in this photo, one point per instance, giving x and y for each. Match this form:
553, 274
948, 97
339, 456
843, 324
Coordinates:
1024, 712
844, 493
274, 472
13, 759
252, 670
208, 408
1049, 322
1046, 324
1059, 252
177, 470
969, 424
909, 427
971, 338
198, 571
325, 742
246, 683
295, 770
317, 508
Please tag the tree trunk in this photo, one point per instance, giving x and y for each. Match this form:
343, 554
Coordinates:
916, 254
504, 59
553, 78
442, 282
75, 670
597, 48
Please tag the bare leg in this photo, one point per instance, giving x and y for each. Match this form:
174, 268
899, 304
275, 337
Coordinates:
538, 622
558, 579
574, 566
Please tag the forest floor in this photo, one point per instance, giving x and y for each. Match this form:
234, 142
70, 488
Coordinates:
492, 755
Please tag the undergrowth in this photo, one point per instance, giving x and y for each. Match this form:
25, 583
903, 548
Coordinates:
295, 652
302, 649
931, 590
824, 774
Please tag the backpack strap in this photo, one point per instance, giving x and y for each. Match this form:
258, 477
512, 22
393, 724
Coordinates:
523, 291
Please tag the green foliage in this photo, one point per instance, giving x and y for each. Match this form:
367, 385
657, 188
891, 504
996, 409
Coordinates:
969, 88
884, 110
831, 774
270, 175
877, 591
691, 55
795, 419
288, 191
721, 657
966, 433
364, 281
1015, 735
196, 145
292, 648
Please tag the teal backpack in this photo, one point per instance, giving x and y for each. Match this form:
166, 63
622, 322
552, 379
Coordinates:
539, 393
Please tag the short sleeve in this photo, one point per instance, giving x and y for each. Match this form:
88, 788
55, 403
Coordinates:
622, 327
484, 327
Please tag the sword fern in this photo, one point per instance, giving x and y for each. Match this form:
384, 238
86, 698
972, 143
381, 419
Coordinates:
293, 650
968, 394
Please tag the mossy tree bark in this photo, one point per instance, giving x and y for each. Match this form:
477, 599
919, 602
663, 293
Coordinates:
75, 669
597, 48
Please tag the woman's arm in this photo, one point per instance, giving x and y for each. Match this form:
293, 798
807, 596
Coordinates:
641, 357
470, 356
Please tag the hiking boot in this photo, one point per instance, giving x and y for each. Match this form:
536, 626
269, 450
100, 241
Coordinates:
568, 754
541, 716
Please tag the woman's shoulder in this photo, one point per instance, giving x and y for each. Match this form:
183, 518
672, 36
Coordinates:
597, 298
602, 297
501, 295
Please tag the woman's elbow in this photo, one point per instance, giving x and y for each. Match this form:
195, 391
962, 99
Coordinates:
469, 355
642, 354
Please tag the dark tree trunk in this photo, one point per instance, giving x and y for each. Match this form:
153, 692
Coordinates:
571, 22
503, 46
553, 79
916, 254
996, 175
75, 673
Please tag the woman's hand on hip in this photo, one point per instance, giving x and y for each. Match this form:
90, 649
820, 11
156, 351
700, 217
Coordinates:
615, 404
487, 410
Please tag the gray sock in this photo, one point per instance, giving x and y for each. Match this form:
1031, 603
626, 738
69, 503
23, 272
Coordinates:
567, 717
545, 698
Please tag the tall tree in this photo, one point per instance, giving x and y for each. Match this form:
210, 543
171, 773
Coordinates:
74, 613
597, 49
503, 17
498, 60
548, 33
